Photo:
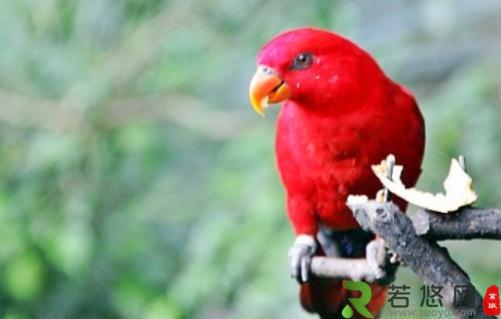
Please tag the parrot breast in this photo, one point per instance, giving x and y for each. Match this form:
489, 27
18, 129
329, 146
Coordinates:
324, 158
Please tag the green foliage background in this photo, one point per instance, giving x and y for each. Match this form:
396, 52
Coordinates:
135, 181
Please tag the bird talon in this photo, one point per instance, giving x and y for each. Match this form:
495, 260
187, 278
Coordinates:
300, 256
379, 259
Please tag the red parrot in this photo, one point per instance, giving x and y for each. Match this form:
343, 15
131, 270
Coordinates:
341, 114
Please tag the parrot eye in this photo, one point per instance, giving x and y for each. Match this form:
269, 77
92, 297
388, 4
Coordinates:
302, 61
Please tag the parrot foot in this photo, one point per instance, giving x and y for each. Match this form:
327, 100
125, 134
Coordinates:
300, 256
379, 259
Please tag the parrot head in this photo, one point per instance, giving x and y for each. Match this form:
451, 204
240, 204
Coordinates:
315, 68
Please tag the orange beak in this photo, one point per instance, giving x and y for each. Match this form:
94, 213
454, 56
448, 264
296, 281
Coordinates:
266, 87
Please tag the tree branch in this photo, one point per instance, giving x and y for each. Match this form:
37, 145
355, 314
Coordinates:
466, 223
334, 267
377, 266
431, 262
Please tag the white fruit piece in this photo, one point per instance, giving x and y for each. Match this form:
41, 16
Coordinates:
458, 188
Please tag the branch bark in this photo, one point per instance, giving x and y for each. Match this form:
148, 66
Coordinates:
333, 267
466, 223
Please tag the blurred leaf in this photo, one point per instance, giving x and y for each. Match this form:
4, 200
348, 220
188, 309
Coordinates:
24, 276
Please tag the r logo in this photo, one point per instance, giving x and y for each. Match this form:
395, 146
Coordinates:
359, 303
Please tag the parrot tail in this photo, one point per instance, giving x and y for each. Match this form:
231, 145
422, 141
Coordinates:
328, 297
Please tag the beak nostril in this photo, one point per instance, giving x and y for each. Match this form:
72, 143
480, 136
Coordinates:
267, 70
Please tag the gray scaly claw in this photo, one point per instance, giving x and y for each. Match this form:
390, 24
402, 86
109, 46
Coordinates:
300, 256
